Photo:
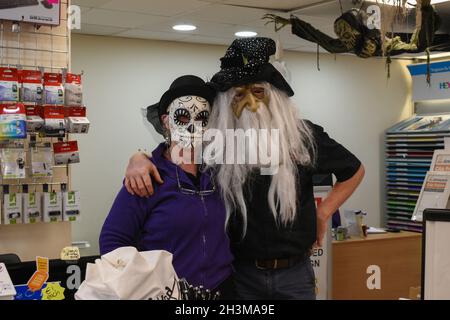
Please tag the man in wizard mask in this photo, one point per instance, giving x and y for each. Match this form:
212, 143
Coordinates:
273, 221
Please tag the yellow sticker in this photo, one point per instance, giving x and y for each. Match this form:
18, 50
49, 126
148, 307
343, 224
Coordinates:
53, 291
42, 264
70, 253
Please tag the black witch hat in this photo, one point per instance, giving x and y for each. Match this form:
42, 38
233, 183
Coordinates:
183, 86
247, 61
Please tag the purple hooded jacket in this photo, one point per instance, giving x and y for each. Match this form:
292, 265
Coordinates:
190, 226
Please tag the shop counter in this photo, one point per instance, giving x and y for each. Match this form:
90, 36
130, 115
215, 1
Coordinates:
356, 262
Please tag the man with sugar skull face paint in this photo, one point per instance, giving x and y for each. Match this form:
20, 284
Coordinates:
186, 215
273, 221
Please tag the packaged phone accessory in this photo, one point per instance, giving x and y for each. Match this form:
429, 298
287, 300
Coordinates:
31, 86
12, 206
54, 124
66, 152
73, 90
71, 204
76, 120
32, 206
9, 84
53, 89
34, 121
52, 205
13, 121
12, 158
41, 160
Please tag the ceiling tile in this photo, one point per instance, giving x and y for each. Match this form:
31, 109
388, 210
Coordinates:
155, 7
287, 5
118, 18
146, 34
207, 40
225, 14
97, 29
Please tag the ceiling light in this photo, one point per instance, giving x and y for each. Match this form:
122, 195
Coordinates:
184, 27
245, 34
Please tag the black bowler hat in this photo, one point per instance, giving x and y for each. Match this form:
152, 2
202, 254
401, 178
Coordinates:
183, 86
247, 61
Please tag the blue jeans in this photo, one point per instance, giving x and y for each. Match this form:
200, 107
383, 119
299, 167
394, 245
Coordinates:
294, 283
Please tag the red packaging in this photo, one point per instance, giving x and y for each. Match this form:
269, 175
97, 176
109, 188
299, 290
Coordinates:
31, 85
54, 124
66, 152
73, 78
53, 89
52, 79
30, 76
75, 112
32, 110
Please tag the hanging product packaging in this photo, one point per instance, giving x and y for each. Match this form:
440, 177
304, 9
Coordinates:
12, 208
12, 121
12, 161
9, 84
71, 205
34, 121
73, 90
54, 124
31, 206
52, 206
76, 121
31, 86
66, 152
53, 89
41, 160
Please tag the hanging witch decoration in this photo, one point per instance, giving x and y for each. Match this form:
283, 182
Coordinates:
355, 36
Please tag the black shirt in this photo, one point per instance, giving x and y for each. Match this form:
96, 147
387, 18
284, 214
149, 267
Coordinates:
264, 239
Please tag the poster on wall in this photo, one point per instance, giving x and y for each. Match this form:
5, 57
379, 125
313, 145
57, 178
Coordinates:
45, 12
439, 87
319, 258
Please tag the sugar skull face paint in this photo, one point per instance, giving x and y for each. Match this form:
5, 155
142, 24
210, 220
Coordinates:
188, 118
250, 97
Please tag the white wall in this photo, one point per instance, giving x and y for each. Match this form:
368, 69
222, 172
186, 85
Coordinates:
350, 97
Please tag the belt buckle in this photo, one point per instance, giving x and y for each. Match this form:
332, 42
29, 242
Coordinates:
274, 265
258, 267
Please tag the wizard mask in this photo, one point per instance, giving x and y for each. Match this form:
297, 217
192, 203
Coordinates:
250, 96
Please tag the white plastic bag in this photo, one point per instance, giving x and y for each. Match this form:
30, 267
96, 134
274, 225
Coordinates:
126, 274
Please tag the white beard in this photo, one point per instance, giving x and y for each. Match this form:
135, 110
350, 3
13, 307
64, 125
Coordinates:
296, 147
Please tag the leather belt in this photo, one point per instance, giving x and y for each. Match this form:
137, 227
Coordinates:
273, 264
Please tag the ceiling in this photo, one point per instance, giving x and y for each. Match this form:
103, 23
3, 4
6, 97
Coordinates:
216, 20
